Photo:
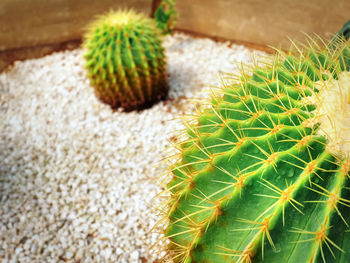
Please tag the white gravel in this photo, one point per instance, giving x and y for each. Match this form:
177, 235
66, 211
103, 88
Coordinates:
77, 179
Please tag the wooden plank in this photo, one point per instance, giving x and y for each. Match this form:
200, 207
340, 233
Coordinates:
263, 22
7, 57
26, 23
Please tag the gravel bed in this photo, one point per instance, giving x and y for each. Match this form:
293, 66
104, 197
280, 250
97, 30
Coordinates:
77, 180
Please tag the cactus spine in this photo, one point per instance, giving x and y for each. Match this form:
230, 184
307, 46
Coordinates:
125, 60
263, 174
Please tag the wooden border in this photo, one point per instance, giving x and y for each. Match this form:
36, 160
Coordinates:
269, 23
8, 57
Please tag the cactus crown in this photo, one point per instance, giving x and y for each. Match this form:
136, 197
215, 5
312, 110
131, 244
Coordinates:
262, 174
125, 60
113, 21
332, 112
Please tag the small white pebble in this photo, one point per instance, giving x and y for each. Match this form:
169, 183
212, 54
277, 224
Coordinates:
134, 255
69, 255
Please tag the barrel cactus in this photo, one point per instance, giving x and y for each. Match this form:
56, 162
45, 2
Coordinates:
125, 60
262, 174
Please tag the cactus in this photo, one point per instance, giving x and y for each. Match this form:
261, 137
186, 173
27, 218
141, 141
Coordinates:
125, 60
342, 34
166, 16
262, 174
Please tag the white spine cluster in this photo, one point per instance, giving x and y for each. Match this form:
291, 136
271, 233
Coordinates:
333, 113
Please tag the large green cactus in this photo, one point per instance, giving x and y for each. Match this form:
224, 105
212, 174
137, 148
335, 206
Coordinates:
263, 175
125, 60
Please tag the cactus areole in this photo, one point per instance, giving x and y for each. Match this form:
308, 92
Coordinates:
125, 60
263, 174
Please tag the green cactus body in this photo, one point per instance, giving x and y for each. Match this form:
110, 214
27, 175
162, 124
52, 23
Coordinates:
125, 60
259, 177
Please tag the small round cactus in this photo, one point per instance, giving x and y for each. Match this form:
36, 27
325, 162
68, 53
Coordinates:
264, 172
125, 60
